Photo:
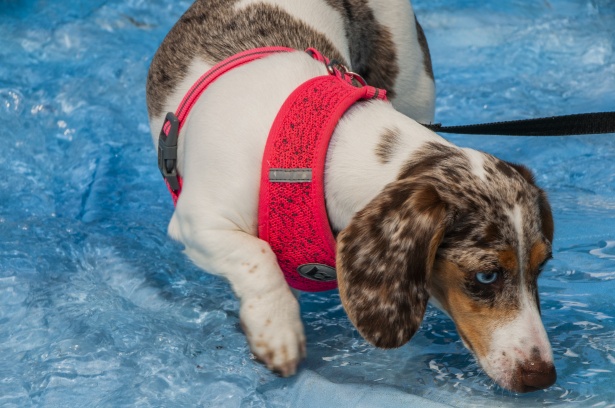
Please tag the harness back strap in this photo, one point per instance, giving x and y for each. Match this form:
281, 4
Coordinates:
173, 123
292, 212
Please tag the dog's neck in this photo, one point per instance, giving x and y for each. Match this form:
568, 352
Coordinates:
368, 149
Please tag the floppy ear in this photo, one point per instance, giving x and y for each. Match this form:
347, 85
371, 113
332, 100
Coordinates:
546, 215
384, 258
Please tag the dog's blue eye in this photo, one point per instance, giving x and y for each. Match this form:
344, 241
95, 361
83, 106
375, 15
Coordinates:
487, 278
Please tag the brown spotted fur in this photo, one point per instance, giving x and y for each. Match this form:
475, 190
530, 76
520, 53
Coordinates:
213, 30
372, 51
429, 233
383, 275
388, 142
424, 48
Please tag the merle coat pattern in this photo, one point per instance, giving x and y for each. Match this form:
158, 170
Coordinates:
417, 219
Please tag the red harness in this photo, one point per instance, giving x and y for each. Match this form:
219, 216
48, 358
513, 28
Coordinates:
292, 215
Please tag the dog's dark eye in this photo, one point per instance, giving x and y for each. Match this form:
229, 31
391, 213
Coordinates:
486, 278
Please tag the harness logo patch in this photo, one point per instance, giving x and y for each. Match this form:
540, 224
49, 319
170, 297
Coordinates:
317, 272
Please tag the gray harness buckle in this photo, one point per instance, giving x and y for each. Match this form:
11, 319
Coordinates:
317, 272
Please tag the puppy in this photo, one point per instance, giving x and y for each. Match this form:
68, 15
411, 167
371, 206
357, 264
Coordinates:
415, 218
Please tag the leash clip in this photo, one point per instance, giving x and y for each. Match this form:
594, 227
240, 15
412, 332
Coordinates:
167, 150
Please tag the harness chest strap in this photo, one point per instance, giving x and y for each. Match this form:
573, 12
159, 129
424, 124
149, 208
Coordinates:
173, 123
292, 212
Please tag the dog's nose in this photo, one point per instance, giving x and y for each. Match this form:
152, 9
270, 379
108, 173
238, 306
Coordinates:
536, 375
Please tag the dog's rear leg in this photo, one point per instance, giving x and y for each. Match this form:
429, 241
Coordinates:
269, 311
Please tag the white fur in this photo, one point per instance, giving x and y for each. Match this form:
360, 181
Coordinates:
512, 343
477, 161
195, 70
517, 220
415, 90
353, 144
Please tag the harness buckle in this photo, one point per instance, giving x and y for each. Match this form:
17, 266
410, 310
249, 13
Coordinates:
167, 150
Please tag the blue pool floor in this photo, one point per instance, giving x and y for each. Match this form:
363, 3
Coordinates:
98, 308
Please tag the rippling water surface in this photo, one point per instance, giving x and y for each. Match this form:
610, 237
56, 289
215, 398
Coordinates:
99, 308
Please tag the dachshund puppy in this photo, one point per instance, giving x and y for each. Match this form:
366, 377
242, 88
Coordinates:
415, 218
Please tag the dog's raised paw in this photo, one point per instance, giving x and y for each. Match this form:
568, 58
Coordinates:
274, 330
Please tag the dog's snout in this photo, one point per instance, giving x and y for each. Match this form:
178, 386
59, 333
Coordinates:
536, 375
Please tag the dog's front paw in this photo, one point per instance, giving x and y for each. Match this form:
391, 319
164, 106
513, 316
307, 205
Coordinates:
274, 330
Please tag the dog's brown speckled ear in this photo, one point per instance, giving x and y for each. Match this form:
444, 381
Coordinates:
384, 258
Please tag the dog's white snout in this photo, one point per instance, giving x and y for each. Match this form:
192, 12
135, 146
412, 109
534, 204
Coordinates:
521, 358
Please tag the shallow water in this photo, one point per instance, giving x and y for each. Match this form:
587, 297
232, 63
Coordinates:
99, 308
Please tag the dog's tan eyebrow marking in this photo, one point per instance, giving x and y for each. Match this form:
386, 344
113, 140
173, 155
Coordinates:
386, 147
539, 253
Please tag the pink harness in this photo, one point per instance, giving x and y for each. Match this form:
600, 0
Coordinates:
292, 215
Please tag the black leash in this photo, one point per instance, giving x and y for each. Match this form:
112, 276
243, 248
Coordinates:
566, 125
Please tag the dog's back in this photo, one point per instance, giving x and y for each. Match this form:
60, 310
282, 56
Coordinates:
391, 56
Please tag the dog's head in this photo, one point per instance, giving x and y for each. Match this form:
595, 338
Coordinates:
470, 231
